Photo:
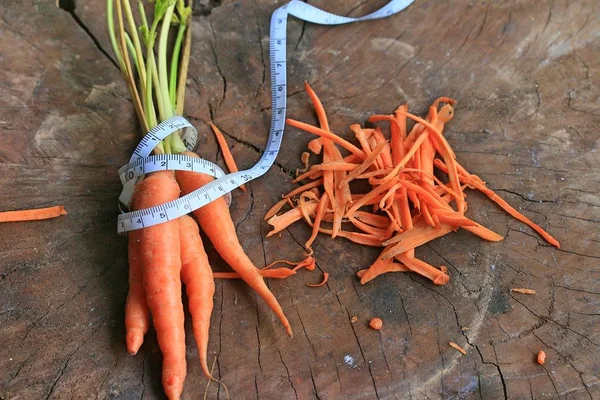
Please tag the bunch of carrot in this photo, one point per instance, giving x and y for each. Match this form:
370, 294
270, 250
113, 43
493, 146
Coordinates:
164, 256
406, 204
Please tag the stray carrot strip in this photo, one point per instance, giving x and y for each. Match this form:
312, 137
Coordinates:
280, 222
413, 238
304, 188
365, 165
335, 166
323, 282
360, 135
379, 161
278, 206
437, 276
372, 174
318, 218
476, 182
427, 215
309, 263
369, 229
327, 135
458, 348
484, 233
523, 291
378, 221
229, 161
321, 115
277, 273
35, 214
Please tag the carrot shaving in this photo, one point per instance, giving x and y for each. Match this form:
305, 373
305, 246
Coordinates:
458, 348
322, 283
523, 291
35, 214
229, 161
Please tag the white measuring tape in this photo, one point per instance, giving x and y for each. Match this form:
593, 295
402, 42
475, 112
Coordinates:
141, 162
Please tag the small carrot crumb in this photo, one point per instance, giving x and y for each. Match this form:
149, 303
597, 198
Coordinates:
376, 323
324, 281
444, 269
523, 291
354, 319
541, 357
464, 328
457, 347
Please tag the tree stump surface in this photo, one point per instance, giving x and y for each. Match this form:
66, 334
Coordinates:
526, 76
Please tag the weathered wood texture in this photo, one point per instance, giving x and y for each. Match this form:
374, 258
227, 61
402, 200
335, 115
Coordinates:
526, 76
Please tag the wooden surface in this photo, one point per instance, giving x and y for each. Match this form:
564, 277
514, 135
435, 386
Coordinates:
526, 76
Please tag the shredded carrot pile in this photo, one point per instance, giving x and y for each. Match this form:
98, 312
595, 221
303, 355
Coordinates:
405, 204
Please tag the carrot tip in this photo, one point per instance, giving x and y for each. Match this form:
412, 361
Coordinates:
134, 340
441, 280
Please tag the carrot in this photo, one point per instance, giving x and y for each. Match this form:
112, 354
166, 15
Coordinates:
229, 161
32, 215
457, 348
541, 357
322, 283
475, 182
224, 238
197, 276
376, 323
523, 291
137, 315
159, 252
318, 218
278, 206
280, 222
438, 277
327, 135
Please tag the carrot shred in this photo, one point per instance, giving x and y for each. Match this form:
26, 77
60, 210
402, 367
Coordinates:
523, 291
458, 348
229, 161
322, 283
35, 214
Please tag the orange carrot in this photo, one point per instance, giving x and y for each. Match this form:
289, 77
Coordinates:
322, 283
376, 323
32, 215
318, 218
159, 248
541, 357
523, 291
229, 161
457, 348
197, 277
438, 277
224, 238
475, 182
327, 135
137, 315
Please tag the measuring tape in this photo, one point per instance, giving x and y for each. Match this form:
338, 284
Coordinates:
141, 162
